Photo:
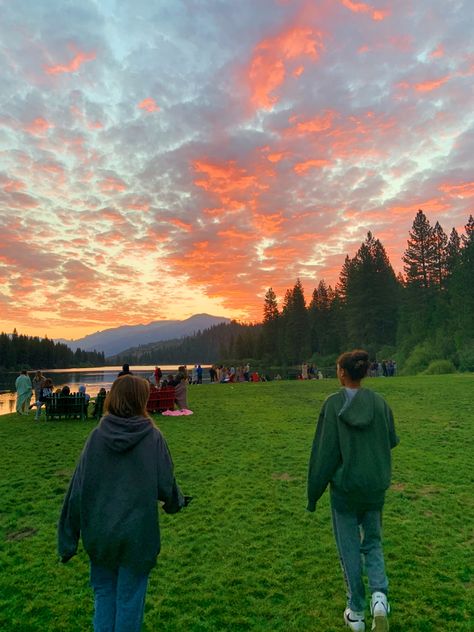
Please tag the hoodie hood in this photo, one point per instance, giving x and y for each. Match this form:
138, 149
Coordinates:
358, 412
122, 434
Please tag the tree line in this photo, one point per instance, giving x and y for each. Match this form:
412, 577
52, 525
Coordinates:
422, 316
18, 351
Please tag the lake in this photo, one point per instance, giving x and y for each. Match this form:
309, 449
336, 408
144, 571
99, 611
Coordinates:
93, 379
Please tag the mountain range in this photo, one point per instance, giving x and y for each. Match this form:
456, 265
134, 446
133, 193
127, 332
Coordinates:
117, 339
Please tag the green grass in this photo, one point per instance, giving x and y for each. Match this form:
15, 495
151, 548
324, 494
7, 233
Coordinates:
246, 555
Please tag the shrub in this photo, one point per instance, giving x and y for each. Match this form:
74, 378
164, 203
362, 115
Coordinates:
420, 358
466, 356
440, 367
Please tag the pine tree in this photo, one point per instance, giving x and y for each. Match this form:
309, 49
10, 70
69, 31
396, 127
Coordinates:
468, 238
420, 252
371, 301
439, 271
295, 331
323, 320
270, 327
453, 252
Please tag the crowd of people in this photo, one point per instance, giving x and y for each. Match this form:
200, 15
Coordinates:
40, 388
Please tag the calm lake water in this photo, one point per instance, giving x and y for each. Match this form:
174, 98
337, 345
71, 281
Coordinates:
93, 379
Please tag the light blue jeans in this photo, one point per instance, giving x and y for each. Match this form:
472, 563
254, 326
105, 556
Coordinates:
359, 540
119, 599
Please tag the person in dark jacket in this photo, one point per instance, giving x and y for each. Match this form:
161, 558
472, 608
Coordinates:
124, 469
352, 453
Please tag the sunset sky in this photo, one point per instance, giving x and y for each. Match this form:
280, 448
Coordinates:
165, 158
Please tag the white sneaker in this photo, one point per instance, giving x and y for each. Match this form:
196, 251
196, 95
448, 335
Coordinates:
379, 609
354, 620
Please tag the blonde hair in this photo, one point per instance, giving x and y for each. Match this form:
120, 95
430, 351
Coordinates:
128, 397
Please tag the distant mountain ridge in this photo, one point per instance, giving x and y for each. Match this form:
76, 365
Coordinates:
117, 339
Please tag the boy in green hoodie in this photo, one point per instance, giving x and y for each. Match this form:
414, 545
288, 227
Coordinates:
352, 453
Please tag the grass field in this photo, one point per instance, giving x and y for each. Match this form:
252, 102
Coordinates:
246, 555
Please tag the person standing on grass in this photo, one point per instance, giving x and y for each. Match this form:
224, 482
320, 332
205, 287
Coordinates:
352, 453
124, 469
24, 391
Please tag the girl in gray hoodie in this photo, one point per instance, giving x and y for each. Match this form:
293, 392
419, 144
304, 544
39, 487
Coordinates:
124, 469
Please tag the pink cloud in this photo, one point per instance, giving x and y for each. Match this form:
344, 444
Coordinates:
303, 167
110, 185
38, 126
437, 53
428, 86
149, 105
271, 61
463, 190
74, 65
361, 7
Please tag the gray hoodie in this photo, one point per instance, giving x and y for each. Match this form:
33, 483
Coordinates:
124, 469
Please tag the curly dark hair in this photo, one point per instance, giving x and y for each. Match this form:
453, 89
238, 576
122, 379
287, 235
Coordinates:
355, 362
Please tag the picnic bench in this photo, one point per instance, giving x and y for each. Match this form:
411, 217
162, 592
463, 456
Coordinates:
72, 406
161, 399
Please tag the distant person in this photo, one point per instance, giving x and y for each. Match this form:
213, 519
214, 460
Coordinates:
24, 391
99, 403
125, 370
65, 391
199, 374
82, 389
124, 469
158, 375
352, 453
38, 382
180, 384
46, 391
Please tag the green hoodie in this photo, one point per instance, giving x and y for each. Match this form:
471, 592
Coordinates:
351, 451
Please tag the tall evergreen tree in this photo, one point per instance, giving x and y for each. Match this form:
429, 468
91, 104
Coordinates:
323, 320
440, 255
295, 330
270, 327
420, 252
371, 301
453, 251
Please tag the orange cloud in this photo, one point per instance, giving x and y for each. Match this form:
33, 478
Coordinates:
112, 184
268, 224
302, 167
180, 224
463, 190
314, 125
428, 86
223, 178
38, 126
79, 59
362, 7
269, 64
438, 52
149, 105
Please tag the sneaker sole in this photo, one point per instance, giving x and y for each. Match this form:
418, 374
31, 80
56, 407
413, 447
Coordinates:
380, 624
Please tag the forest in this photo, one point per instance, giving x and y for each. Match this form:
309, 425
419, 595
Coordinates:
423, 318
18, 351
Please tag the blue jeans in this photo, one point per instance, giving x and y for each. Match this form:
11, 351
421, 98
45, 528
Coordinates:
119, 599
359, 539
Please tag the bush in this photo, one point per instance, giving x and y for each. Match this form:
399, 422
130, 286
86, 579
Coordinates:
466, 356
440, 367
420, 358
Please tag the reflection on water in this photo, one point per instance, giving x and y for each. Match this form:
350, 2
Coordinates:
93, 379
